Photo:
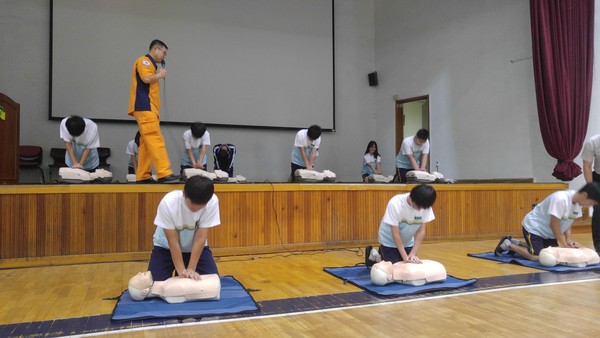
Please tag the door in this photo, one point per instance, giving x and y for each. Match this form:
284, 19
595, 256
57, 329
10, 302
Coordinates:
411, 115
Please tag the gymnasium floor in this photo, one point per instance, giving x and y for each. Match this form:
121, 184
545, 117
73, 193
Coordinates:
298, 299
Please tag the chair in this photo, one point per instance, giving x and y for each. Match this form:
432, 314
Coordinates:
31, 157
103, 154
58, 155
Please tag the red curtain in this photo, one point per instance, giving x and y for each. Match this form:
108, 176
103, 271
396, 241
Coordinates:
563, 57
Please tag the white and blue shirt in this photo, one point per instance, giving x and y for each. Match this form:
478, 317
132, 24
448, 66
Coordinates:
369, 159
190, 142
88, 139
302, 141
560, 205
172, 213
409, 147
399, 213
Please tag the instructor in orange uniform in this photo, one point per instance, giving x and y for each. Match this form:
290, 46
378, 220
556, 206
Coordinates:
144, 105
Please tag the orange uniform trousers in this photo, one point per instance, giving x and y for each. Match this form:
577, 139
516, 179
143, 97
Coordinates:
152, 149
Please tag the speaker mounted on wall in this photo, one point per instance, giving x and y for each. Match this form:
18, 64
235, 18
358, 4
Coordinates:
373, 81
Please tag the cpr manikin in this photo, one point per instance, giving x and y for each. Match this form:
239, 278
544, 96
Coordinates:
175, 289
75, 175
217, 176
573, 257
428, 271
376, 178
304, 175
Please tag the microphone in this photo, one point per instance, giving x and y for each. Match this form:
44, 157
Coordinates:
163, 63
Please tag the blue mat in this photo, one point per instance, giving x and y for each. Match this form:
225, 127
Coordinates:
234, 299
361, 277
516, 259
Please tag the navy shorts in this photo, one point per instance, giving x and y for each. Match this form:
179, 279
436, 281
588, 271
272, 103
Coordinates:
162, 267
391, 254
536, 243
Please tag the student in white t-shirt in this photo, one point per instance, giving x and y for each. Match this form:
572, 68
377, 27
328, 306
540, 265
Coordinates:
81, 140
306, 149
183, 220
591, 172
371, 162
195, 141
132, 151
549, 223
413, 154
402, 227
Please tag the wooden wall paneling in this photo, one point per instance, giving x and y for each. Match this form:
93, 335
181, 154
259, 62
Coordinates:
66, 221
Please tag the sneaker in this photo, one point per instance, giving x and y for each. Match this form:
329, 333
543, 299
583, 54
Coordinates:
374, 256
515, 241
368, 262
170, 179
148, 181
503, 245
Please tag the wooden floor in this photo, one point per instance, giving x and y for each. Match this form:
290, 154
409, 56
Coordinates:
570, 309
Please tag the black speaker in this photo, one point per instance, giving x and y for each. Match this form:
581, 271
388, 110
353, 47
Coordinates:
373, 79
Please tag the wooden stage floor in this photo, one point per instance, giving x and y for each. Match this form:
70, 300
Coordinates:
510, 300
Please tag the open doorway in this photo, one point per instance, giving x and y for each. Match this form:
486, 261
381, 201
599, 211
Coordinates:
412, 114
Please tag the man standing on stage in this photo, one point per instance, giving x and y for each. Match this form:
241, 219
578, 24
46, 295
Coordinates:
144, 105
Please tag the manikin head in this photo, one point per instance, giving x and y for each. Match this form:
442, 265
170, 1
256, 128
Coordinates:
381, 273
140, 285
547, 258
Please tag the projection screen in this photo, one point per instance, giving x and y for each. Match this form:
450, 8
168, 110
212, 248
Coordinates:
246, 63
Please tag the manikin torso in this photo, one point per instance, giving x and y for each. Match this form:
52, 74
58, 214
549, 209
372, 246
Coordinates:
574, 257
428, 271
175, 289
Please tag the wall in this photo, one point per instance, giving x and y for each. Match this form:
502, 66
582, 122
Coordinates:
482, 106
262, 154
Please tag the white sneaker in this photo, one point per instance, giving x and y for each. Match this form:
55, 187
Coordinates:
374, 255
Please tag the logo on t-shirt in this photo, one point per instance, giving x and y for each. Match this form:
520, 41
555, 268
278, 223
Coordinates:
146, 63
418, 218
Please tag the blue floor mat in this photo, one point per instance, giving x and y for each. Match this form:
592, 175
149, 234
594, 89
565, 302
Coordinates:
234, 299
516, 259
361, 277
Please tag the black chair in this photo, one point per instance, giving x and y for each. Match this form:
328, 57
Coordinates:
58, 155
31, 157
103, 155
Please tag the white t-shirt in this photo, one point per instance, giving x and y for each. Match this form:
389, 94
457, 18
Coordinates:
302, 141
399, 213
591, 152
370, 159
409, 147
194, 144
132, 150
172, 213
89, 139
559, 204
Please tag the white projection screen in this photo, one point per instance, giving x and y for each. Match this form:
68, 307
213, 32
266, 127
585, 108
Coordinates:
246, 63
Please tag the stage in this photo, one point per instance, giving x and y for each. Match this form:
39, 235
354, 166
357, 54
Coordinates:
90, 223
